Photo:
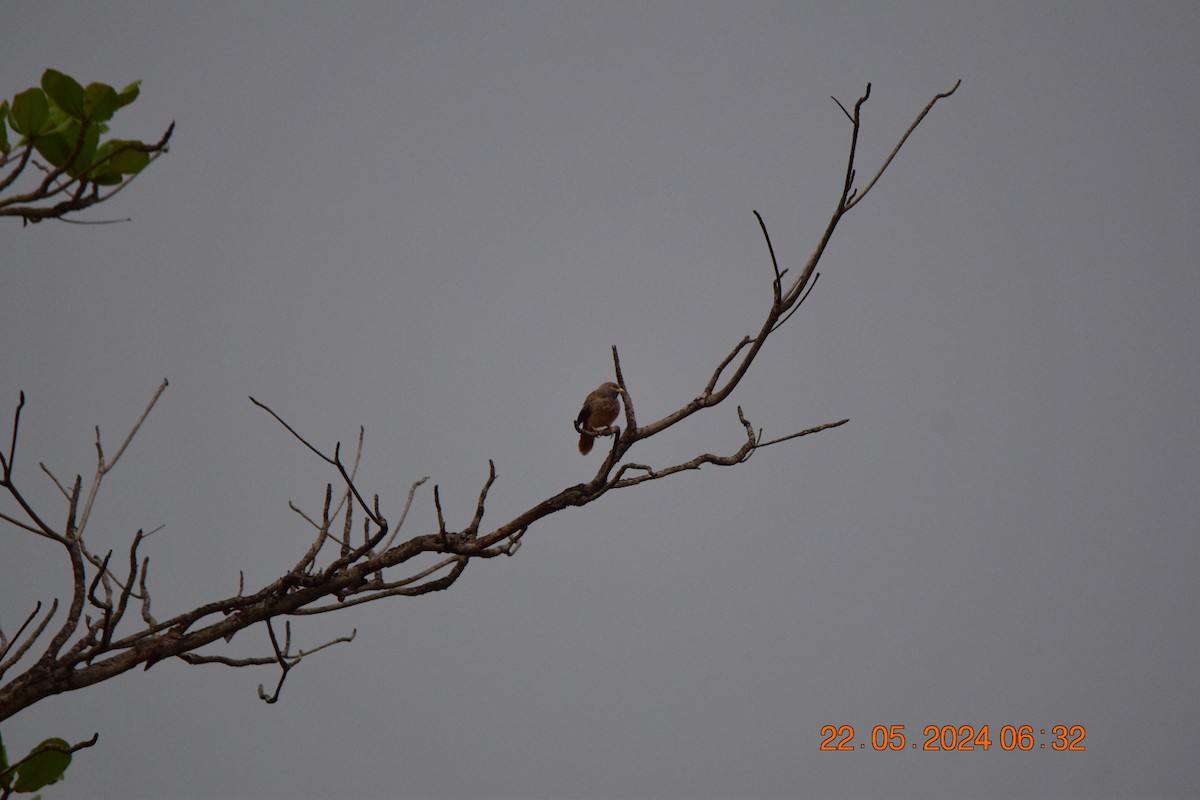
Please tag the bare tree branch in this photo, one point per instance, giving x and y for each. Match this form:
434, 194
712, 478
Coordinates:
928, 107
33, 637
334, 570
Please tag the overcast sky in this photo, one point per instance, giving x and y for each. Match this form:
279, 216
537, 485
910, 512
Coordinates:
434, 219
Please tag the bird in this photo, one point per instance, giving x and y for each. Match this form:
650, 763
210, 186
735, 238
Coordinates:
599, 411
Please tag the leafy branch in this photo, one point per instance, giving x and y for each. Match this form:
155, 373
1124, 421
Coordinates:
66, 123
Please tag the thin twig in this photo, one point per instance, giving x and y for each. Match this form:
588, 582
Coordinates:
404, 514
7, 464
928, 107
162, 387
103, 468
842, 107
807, 432
33, 637
777, 284
472, 529
292, 431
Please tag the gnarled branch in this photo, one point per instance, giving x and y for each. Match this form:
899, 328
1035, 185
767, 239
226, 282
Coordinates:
334, 572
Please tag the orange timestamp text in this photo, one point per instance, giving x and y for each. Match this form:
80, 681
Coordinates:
841, 738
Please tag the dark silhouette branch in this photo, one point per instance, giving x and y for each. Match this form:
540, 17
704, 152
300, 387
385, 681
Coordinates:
338, 569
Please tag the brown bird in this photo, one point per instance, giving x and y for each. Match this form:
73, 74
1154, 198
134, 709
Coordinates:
599, 411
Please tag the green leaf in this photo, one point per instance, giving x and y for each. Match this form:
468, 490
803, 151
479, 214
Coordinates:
130, 93
56, 145
5, 778
87, 152
100, 102
44, 768
3, 149
64, 91
59, 142
57, 120
29, 110
118, 157
115, 159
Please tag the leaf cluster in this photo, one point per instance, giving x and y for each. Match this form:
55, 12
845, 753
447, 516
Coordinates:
65, 122
67, 125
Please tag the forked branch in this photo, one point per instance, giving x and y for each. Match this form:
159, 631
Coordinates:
354, 555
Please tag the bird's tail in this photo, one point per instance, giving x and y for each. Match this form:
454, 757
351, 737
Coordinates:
585, 443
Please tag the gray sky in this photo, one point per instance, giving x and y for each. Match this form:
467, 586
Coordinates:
433, 219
